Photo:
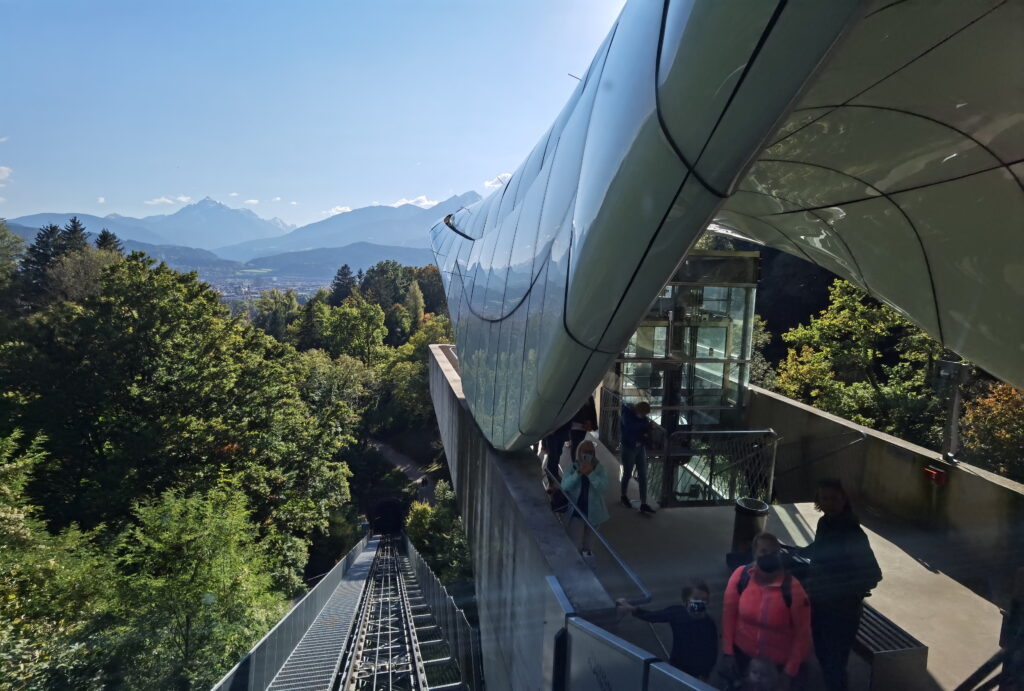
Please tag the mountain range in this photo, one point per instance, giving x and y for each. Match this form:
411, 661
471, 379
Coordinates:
243, 242
401, 226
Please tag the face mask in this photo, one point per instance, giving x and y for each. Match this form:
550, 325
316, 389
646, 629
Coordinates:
697, 606
769, 563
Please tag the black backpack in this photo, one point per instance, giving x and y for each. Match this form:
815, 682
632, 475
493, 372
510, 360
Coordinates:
787, 585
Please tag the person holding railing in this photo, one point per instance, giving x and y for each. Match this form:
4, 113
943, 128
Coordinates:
694, 634
635, 432
585, 484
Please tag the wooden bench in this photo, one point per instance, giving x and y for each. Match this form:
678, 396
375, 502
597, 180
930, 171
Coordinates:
897, 659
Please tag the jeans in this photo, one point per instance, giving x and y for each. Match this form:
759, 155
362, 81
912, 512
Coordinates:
635, 458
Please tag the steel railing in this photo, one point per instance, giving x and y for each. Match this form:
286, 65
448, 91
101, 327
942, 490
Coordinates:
462, 638
574, 512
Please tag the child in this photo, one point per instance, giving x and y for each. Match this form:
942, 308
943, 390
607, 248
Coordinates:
694, 635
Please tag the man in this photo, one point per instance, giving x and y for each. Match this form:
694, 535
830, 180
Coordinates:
634, 429
843, 570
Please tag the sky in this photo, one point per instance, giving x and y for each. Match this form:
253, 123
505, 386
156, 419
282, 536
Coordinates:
295, 110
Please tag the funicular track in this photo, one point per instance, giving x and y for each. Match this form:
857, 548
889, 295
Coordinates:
395, 642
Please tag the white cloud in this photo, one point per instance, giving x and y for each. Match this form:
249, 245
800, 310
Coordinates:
101, 200
5, 172
251, 201
420, 201
3, 139
294, 203
496, 182
276, 199
158, 200
232, 194
2, 200
335, 210
183, 199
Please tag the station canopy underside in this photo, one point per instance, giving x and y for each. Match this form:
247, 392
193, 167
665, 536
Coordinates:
881, 140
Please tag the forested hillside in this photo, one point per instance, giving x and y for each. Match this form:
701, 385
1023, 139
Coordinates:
172, 473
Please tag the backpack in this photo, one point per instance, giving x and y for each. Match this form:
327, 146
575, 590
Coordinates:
787, 585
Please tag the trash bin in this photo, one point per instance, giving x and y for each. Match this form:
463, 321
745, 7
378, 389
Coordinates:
751, 517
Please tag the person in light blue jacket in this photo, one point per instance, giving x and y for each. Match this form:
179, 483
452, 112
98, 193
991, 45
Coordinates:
585, 484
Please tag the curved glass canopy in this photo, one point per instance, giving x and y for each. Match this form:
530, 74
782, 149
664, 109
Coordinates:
881, 140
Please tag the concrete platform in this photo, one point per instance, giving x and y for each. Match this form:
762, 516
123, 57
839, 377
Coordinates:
959, 627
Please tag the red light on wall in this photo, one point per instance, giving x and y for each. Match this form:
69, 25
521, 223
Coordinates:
938, 476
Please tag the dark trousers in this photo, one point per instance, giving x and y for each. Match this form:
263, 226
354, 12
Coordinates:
554, 445
576, 438
834, 626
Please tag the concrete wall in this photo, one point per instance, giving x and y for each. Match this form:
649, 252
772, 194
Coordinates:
514, 539
979, 515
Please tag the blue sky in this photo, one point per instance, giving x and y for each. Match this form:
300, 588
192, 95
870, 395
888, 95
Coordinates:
340, 103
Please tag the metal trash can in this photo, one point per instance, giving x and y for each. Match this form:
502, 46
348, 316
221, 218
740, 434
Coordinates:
751, 517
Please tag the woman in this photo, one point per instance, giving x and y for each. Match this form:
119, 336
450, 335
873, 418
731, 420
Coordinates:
766, 613
694, 635
843, 569
585, 484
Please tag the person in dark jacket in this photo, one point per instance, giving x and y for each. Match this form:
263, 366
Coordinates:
635, 427
842, 572
553, 446
694, 635
582, 422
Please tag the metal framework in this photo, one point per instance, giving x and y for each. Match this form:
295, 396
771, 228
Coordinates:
386, 649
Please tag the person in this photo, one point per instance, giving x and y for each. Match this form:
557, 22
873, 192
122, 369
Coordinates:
582, 422
842, 572
635, 428
585, 484
766, 613
553, 446
694, 634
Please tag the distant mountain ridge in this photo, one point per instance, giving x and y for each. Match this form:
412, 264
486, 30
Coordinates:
208, 224
123, 227
402, 226
205, 224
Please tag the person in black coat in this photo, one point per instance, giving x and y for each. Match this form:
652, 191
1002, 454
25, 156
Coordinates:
694, 634
842, 572
582, 422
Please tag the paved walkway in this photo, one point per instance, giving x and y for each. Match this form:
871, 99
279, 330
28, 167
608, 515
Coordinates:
960, 628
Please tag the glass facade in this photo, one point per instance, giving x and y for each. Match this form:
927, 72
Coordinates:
690, 357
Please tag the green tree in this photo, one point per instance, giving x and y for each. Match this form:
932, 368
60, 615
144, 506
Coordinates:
437, 533
274, 310
405, 379
108, 241
399, 325
310, 327
43, 251
74, 237
343, 285
75, 276
53, 588
356, 328
11, 249
196, 590
149, 385
434, 300
385, 283
415, 305
993, 430
866, 362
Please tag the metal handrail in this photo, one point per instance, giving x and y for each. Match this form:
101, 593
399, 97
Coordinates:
803, 464
646, 593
